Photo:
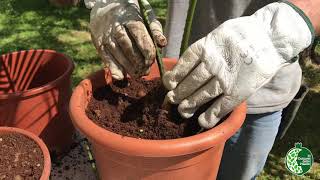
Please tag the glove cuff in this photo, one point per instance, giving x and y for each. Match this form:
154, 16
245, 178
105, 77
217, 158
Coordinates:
304, 17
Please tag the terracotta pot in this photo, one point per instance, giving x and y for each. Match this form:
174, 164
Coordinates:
47, 161
35, 88
120, 158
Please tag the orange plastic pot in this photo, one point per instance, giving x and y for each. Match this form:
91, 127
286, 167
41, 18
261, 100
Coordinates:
35, 89
47, 161
122, 158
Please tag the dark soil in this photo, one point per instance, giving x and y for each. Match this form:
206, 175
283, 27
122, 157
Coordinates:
20, 158
133, 108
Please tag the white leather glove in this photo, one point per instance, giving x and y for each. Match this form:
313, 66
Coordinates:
235, 60
121, 38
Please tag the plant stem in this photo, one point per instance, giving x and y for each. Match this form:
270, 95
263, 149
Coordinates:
147, 15
187, 27
90, 156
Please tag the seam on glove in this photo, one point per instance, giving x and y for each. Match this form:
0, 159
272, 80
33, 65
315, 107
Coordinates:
304, 17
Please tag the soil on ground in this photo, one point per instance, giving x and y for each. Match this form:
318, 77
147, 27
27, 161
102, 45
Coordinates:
134, 108
20, 158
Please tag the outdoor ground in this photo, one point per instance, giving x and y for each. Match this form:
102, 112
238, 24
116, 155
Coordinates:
33, 24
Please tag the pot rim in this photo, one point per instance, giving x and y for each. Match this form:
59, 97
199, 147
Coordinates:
152, 148
46, 155
45, 87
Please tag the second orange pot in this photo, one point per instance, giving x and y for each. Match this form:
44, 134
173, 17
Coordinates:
122, 158
46, 156
35, 88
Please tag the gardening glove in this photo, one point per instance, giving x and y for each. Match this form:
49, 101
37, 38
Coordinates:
235, 60
121, 38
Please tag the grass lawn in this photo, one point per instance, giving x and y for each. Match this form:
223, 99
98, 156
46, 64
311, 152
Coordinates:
32, 24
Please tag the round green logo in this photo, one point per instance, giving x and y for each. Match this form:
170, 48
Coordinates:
299, 159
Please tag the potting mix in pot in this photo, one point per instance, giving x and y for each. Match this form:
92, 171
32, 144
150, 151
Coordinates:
134, 108
20, 158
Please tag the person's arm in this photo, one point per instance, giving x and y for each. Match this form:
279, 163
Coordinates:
311, 9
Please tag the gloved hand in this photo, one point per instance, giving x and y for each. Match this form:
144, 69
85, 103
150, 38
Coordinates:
235, 60
121, 38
